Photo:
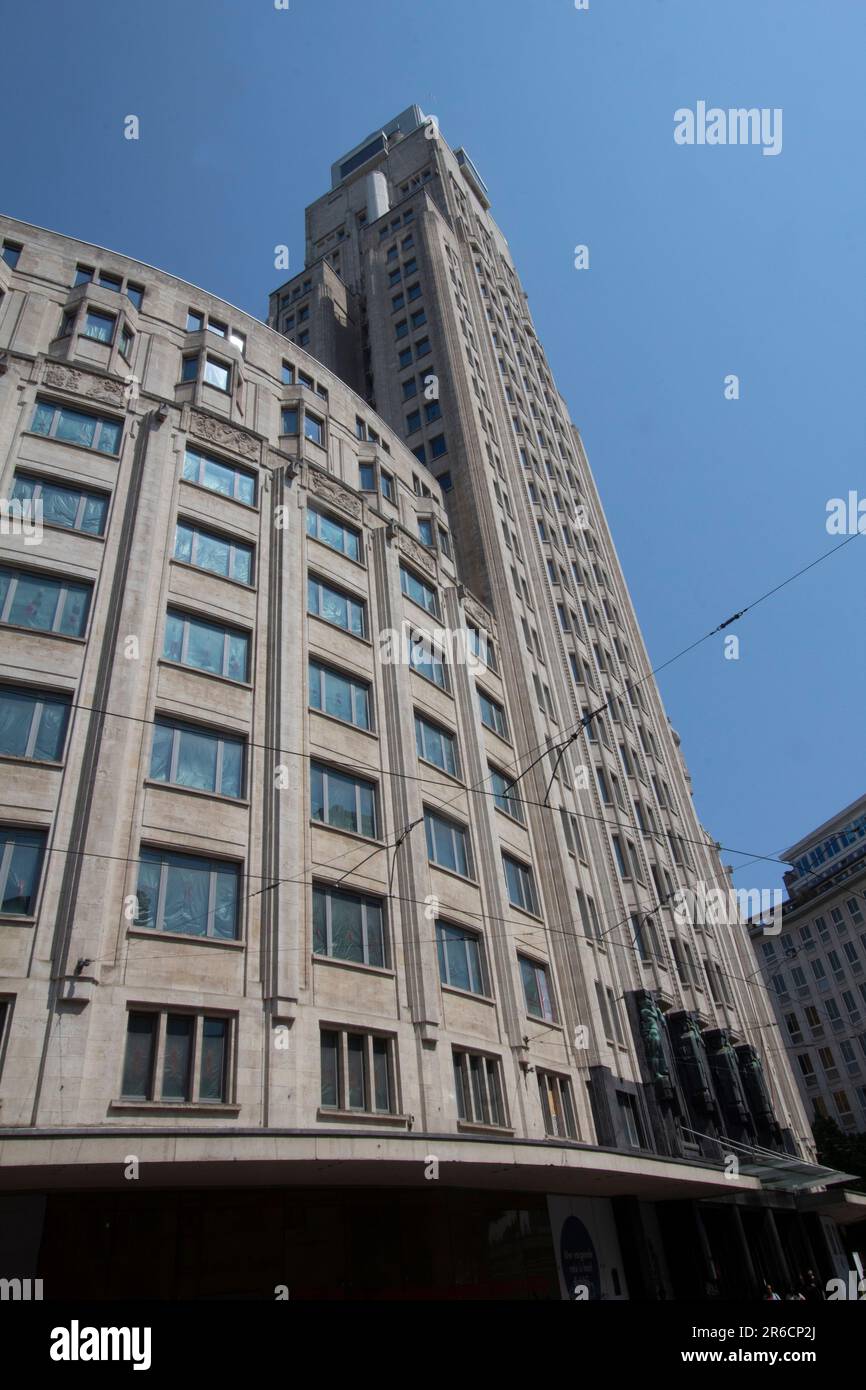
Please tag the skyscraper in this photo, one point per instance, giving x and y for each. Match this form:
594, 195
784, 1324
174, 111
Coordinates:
324, 902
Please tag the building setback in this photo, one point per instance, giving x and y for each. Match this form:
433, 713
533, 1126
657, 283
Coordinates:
299, 987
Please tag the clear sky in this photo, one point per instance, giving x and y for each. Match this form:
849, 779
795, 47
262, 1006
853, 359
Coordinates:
704, 261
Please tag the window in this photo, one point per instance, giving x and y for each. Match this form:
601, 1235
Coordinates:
366, 477
75, 427
481, 645
356, 1072
76, 508
386, 483
447, 844
33, 723
437, 446
334, 606
506, 796
99, 326
478, 1089
335, 534
536, 989
176, 1058
109, 282
405, 357
427, 660
422, 347
211, 647
11, 252
492, 715
343, 802
413, 421
46, 604
187, 755
289, 417
287, 374
208, 551
126, 340
21, 855
520, 882
401, 329
339, 695
189, 894
313, 428
461, 958
436, 745
348, 926
217, 476
425, 531
216, 373
418, 591
631, 1121
557, 1106
418, 318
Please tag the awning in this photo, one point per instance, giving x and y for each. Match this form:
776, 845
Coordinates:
779, 1172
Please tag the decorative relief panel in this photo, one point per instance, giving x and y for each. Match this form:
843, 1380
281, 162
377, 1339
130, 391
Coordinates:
477, 613
223, 435
417, 554
98, 388
331, 492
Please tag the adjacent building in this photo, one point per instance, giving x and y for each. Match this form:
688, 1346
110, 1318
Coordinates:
341, 817
815, 968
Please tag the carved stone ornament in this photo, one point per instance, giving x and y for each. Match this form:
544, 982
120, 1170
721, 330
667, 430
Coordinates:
417, 554
332, 492
98, 388
223, 435
477, 613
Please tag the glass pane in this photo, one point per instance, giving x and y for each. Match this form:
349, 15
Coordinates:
16, 716
187, 895
231, 783
51, 734
356, 1071
347, 937
246, 489
160, 753
320, 922
460, 1096
59, 504
42, 418
95, 512
25, 864
109, 437
213, 1059
338, 696
197, 760
216, 375
178, 1053
342, 808
375, 935
531, 989
330, 1073
212, 553
191, 465
317, 794
356, 619
138, 1059
238, 657
73, 619
368, 811
147, 890
479, 1105
334, 607
329, 532
34, 603
381, 1087
99, 326
242, 564
205, 646
183, 542
218, 477
457, 959
494, 1091
314, 677
225, 924
361, 707
173, 644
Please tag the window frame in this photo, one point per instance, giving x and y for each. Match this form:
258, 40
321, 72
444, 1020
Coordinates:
325, 771
65, 582
368, 1072
180, 726
156, 1080
357, 683
40, 696
9, 831
228, 631
148, 855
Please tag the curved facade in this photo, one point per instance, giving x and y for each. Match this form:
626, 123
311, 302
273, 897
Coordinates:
271, 911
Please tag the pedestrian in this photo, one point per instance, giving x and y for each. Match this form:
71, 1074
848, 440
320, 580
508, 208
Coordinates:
813, 1291
770, 1295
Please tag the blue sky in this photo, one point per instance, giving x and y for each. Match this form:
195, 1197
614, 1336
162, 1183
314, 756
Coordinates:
704, 261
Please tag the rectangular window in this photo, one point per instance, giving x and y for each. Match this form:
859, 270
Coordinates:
447, 844
436, 745
334, 606
186, 755
206, 646
178, 1039
189, 894
41, 602
289, 416
109, 282
75, 427
21, 855
357, 1072
99, 326
420, 592
342, 801
217, 476
492, 715
506, 796
335, 534
75, 508
520, 882
631, 1122
341, 696
481, 646
313, 428
348, 926
386, 483
208, 551
557, 1105
33, 723
427, 660
478, 1089
366, 477
217, 373
461, 958
536, 989
425, 531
